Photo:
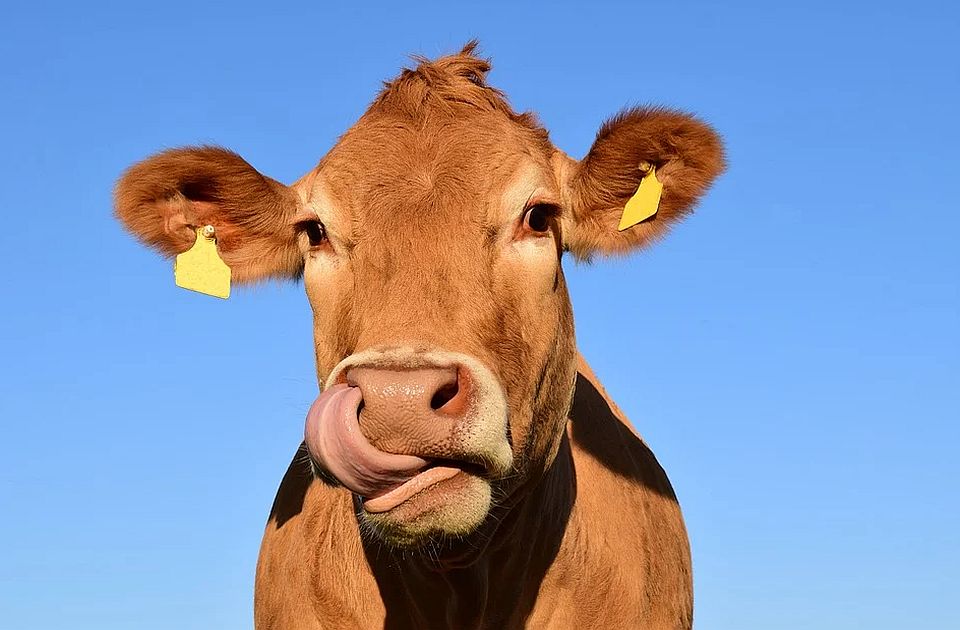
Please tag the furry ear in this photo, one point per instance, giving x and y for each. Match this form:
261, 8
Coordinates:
163, 199
687, 154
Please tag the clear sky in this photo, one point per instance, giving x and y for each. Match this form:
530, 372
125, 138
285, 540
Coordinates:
791, 352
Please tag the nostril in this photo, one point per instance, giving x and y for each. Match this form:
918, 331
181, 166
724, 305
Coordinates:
453, 397
445, 394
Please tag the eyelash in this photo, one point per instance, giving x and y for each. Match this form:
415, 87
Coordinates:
314, 230
545, 213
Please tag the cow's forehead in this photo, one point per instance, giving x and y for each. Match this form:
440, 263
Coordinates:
436, 151
387, 172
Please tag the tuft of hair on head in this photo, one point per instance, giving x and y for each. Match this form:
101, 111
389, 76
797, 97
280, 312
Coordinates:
448, 84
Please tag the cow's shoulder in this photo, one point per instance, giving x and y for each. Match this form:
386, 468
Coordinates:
626, 530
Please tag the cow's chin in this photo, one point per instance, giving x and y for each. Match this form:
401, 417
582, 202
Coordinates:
448, 509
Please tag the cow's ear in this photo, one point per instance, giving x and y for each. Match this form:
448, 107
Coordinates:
686, 153
163, 199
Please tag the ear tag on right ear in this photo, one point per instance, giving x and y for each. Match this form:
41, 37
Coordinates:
201, 269
644, 202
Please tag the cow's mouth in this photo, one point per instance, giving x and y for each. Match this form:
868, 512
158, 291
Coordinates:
382, 480
435, 473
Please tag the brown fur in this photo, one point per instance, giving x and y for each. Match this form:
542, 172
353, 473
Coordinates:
423, 201
687, 155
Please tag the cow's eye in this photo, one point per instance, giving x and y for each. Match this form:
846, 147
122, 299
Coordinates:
537, 218
316, 233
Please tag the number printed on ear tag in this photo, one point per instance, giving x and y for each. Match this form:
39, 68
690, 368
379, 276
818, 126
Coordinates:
201, 269
644, 202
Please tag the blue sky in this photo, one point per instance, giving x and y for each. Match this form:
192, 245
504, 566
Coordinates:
791, 352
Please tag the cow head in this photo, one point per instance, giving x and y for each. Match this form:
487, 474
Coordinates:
429, 241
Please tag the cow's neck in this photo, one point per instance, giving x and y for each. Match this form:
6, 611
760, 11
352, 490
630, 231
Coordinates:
464, 589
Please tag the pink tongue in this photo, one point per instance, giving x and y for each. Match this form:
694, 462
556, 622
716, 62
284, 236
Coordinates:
334, 440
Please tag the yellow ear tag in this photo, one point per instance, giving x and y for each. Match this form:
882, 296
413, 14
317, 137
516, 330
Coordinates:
644, 202
201, 269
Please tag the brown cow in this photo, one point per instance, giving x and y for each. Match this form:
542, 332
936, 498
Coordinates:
462, 467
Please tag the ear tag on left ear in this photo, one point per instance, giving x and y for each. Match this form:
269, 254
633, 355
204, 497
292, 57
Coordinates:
201, 269
644, 202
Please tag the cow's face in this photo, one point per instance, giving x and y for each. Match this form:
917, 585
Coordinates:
429, 240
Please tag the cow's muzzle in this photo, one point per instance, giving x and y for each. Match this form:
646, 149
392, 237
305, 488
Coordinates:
395, 426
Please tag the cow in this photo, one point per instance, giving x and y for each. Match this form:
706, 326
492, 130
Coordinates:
462, 466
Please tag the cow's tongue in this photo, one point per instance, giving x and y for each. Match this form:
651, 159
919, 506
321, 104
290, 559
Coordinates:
334, 439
